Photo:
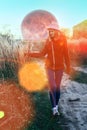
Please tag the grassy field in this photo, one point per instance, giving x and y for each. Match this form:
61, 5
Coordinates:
43, 119
79, 77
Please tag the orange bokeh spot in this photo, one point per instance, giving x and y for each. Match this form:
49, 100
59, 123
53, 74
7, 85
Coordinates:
32, 77
16, 105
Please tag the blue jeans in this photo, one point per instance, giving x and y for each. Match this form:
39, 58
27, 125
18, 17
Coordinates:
54, 78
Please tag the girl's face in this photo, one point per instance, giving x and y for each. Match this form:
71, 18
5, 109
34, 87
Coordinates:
51, 33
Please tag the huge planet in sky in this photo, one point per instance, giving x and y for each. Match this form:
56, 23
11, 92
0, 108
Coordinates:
34, 25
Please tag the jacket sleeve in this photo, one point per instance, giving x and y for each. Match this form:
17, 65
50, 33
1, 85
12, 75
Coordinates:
39, 54
66, 55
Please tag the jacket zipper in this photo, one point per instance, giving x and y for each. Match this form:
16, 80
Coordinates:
53, 55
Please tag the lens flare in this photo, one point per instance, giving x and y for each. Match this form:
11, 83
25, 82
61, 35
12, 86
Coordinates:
32, 77
2, 114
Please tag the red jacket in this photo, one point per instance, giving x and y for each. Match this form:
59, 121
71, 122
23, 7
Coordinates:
56, 52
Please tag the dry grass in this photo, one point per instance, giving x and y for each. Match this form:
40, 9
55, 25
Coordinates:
10, 56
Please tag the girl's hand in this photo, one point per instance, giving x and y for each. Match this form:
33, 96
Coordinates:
68, 71
25, 54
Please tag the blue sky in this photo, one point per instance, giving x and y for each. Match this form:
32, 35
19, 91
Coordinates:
67, 12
